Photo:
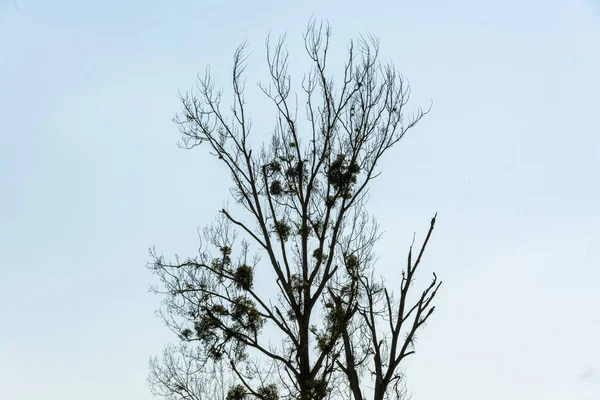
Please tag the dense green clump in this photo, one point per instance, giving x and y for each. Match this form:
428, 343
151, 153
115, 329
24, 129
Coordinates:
268, 392
237, 392
244, 277
282, 230
342, 176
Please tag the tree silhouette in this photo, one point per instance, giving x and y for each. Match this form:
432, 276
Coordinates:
327, 328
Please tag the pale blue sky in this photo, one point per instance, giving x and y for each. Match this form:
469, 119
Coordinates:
509, 157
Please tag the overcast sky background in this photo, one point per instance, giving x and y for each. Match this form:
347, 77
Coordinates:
91, 176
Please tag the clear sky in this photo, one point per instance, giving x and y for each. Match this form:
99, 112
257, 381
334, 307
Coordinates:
91, 176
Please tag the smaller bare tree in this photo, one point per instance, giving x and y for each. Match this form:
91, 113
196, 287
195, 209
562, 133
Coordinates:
183, 372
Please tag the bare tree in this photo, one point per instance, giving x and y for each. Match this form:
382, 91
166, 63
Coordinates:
331, 329
183, 372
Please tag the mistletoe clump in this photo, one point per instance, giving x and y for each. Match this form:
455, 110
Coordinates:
244, 277
237, 392
224, 260
244, 312
318, 390
342, 176
296, 171
276, 189
319, 256
335, 321
282, 230
268, 392
352, 264
206, 327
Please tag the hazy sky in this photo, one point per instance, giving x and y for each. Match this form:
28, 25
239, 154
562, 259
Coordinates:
91, 176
